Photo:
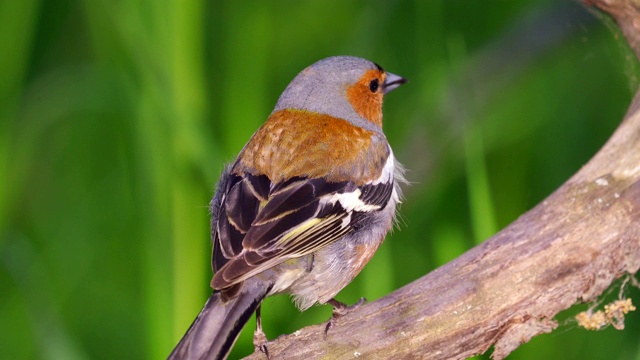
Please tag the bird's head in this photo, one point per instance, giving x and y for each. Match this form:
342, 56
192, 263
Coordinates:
345, 87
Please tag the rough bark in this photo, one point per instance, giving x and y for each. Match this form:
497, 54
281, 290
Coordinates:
567, 250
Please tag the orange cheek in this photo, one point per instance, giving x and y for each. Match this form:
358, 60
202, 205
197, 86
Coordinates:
366, 103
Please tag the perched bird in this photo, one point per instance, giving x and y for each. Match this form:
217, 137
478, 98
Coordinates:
305, 205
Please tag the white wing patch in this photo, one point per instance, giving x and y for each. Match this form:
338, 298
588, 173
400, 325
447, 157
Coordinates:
351, 201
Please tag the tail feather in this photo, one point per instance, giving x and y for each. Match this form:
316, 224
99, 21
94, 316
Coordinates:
218, 325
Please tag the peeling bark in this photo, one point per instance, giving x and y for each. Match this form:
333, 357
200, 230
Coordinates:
567, 250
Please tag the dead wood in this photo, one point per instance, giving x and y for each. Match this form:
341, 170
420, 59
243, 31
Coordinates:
567, 250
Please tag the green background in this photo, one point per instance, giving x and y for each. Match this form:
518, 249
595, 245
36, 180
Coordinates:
116, 118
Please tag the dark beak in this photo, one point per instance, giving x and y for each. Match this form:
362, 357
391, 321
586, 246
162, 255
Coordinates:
392, 81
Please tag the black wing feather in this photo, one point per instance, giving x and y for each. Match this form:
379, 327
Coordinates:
262, 224
377, 194
260, 184
241, 205
264, 235
291, 200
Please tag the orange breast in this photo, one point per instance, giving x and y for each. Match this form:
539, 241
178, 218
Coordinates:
302, 143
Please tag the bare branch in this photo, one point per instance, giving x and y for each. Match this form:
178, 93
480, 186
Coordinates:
566, 250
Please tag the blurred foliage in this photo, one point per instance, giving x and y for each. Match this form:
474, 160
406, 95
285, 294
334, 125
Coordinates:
116, 118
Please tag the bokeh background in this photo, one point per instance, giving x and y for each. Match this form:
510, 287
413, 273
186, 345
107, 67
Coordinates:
116, 118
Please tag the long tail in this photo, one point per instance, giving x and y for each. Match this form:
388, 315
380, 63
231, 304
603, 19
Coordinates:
218, 325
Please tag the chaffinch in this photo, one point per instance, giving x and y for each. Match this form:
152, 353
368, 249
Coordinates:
305, 205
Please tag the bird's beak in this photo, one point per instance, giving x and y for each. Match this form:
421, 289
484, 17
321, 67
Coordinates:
392, 81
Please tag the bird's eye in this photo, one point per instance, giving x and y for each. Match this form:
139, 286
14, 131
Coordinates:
374, 85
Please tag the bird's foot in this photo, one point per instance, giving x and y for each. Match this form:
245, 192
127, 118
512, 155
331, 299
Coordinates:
260, 342
339, 310
259, 337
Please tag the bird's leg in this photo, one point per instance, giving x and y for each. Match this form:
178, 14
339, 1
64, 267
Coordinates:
259, 337
339, 310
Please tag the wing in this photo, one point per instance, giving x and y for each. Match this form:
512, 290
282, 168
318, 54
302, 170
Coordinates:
260, 224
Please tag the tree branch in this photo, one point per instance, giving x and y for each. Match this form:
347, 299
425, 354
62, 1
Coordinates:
568, 249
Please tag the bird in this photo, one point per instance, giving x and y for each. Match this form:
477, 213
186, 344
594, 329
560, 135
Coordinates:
304, 206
